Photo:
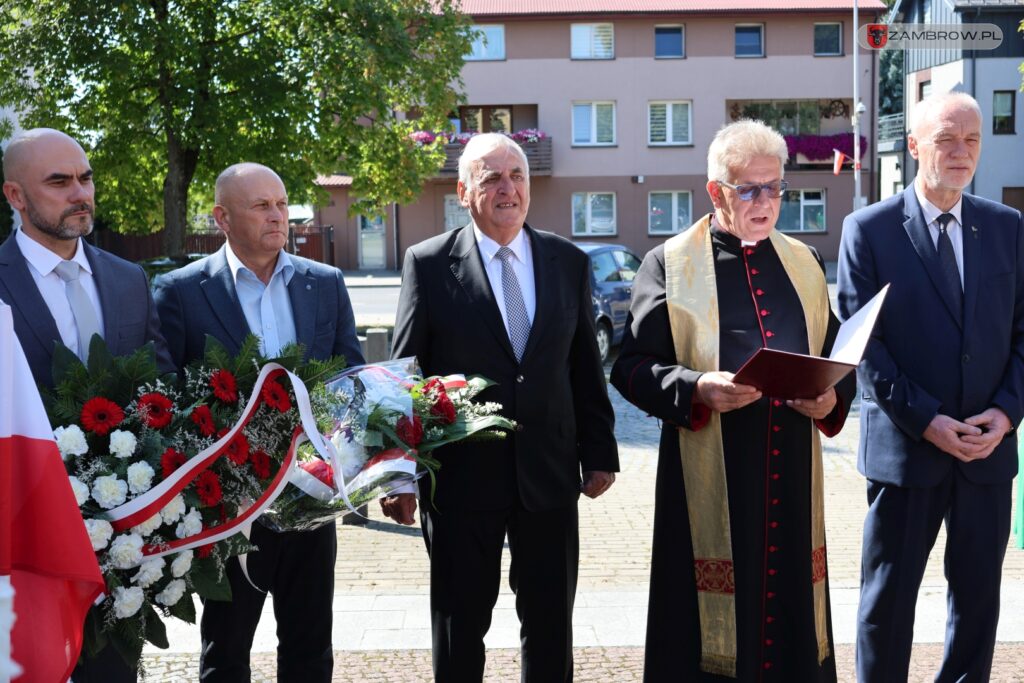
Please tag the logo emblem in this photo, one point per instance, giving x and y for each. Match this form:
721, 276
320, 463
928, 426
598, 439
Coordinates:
877, 35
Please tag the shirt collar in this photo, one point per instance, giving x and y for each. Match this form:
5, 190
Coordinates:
931, 212
489, 248
284, 266
44, 260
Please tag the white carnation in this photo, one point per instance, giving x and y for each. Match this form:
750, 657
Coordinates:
126, 551
149, 572
70, 441
122, 444
109, 491
140, 477
127, 601
172, 593
190, 525
173, 510
351, 453
100, 532
81, 490
149, 526
181, 563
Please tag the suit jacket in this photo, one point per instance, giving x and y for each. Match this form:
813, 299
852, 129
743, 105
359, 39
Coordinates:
200, 299
129, 316
448, 318
923, 359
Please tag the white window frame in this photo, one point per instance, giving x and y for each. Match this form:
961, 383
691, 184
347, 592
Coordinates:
763, 50
676, 196
480, 51
593, 142
804, 202
579, 51
588, 221
839, 52
669, 106
682, 35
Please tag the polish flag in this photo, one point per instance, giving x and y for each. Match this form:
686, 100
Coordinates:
837, 163
45, 552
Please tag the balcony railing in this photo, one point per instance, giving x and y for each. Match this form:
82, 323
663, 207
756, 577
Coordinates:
538, 154
890, 128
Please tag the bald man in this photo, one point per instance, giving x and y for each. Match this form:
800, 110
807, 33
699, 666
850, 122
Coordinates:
253, 285
63, 289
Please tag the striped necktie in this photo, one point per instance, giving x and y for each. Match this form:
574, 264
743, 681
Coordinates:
515, 308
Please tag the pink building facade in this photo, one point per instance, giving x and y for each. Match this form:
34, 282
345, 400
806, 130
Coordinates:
629, 95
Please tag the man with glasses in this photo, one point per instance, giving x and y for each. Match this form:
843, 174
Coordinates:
738, 585
943, 387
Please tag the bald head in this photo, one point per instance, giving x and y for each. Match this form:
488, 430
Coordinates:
34, 144
240, 176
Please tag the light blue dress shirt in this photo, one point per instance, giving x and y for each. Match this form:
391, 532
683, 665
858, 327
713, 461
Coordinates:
267, 307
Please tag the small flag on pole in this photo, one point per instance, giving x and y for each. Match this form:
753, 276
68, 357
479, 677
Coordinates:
837, 164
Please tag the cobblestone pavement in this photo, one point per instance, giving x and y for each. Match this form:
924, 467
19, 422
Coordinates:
382, 558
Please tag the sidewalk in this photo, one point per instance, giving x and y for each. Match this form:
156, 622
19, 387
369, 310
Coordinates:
381, 625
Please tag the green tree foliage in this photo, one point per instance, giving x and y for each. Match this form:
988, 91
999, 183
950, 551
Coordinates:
890, 82
6, 217
166, 93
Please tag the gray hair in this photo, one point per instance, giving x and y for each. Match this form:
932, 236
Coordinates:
480, 146
928, 108
736, 144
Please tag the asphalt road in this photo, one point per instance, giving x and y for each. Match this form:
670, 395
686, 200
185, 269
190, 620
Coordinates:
374, 306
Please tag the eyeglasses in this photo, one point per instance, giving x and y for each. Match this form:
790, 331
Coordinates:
747, 193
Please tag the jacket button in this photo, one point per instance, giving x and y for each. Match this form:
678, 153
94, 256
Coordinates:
519, 378
966, 358
520, 427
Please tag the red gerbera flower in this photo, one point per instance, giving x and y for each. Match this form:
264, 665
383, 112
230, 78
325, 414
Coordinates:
238, 449
170, 461
100, 415
443, 407
410, 431
208, 488
203, 419
319, 469
204, 551
155, 410
224, 386
275, 396
260, 463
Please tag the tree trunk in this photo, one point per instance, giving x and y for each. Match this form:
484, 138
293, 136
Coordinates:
181, 167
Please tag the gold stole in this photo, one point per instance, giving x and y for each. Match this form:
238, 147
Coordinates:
692, 296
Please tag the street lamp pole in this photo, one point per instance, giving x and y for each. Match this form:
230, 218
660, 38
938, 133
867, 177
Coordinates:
858, 109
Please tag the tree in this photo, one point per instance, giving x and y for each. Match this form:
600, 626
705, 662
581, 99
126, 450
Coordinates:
890, 82
166, 93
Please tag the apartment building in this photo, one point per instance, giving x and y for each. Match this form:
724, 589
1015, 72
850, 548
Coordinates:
616, 102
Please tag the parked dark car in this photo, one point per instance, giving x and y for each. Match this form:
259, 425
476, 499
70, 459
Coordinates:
612, 269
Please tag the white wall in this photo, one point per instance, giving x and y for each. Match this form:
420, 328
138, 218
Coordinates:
1001, 155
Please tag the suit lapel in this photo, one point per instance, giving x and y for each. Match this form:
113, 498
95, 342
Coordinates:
108, 298
972, 257
219, 288
917, 230
24, 296
544, 269
468, 268
302, 291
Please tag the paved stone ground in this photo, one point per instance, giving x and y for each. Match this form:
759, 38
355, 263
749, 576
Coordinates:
382, 561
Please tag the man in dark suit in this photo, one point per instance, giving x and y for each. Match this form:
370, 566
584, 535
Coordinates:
62, 289
500, 299
253, 285
943, 386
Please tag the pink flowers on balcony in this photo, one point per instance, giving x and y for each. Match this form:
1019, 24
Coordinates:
424, 137
820, 147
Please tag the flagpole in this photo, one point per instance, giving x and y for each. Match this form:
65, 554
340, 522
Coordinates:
858, 108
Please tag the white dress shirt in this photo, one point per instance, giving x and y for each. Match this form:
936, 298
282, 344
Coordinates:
41, 263
267, 307
954, 228
522, 266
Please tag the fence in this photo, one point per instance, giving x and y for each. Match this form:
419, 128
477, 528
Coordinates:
314, 242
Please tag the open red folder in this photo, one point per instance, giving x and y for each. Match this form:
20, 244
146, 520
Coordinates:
795, 375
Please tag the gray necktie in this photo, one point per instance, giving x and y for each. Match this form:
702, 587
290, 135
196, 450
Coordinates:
81, 307
947, 260
515, 308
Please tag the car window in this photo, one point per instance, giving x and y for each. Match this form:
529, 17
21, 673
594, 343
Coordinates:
628, 264
604, 267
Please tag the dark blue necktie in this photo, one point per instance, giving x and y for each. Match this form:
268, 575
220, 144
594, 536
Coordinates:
947, 261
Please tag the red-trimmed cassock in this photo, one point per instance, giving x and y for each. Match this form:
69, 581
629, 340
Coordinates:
767, 453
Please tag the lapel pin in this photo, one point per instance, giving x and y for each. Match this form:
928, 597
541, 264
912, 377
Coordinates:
974, 231
309, 287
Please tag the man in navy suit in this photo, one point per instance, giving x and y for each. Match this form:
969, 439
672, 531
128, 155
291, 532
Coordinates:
62, 289
943, 386
253, 285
